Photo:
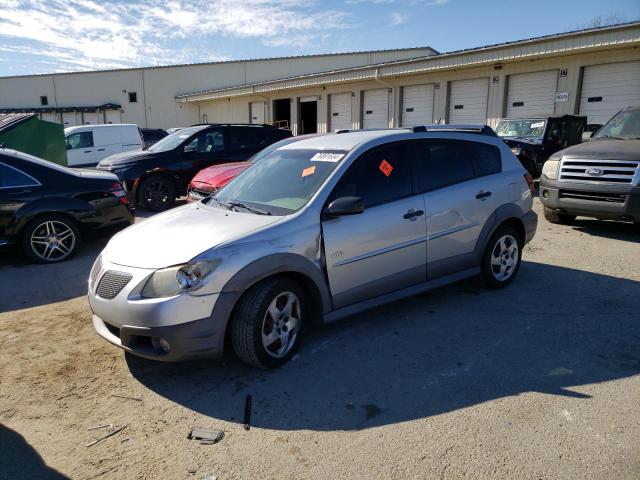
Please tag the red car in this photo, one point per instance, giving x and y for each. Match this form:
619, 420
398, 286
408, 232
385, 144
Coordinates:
211, 179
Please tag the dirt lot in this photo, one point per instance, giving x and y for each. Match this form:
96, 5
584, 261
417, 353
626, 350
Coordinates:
538, 381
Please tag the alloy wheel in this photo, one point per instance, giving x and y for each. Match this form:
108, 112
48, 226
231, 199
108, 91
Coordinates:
281, 324
156, 194
504, 258
52, 241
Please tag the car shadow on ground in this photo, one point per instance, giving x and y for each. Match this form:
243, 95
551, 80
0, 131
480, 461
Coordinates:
552, 331
18, 459
45, 284
625, 231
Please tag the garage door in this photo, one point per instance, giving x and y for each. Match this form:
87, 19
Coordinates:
90, 118
340, 114
113, 116
532, 94
606, 89
71, 119
468, 101
375, 108
417, 105
257, 112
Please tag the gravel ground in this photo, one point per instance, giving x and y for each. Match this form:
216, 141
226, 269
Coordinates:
537, 381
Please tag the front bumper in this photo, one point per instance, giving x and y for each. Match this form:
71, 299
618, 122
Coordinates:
137, 325
603, 201
530, 220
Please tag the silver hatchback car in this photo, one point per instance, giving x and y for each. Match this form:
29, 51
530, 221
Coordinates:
315, 231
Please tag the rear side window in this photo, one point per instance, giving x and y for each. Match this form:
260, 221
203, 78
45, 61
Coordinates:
11, 177
249, 138
487, 158
379, 176
207, 142
80, 140
440, 164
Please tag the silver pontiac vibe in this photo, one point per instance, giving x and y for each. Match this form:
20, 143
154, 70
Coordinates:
315, 231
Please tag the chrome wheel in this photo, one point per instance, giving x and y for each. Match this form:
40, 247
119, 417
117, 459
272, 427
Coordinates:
52, 241
281, 324
504, 258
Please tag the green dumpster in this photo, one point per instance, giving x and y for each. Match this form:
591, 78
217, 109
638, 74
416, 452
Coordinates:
26, 133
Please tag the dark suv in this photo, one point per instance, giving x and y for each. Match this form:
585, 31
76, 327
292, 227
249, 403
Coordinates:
599, 178
155, 177
534, 140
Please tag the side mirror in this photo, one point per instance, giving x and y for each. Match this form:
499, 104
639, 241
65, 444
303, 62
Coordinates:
344, 206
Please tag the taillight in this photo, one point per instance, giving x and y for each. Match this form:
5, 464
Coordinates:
118, 190
529, 179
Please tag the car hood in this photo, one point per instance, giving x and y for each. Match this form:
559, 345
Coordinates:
95, 174
128, 157
178, 235
219, 175
603, 149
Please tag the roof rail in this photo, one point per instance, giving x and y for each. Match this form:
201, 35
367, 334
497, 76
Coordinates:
232, 125
478, 129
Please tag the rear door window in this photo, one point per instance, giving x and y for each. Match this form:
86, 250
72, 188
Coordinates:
380, 176
440, 163
487, 158
11, 177
207, 142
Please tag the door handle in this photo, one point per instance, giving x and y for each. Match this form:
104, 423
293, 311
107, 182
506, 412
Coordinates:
87, 151
413, 214
482, 195
20, 192
100, 150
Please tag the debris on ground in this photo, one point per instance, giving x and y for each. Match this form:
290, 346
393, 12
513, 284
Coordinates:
117, 430
247, 413
97, 427
207, 436
137, 399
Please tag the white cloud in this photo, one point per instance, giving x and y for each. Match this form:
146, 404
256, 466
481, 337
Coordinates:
398, 18
90, 34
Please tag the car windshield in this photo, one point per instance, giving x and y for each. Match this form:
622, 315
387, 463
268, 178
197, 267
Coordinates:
172, 141
280, 183
623, 126
529, 128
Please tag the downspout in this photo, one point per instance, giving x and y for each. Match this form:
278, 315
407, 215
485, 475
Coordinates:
381, 82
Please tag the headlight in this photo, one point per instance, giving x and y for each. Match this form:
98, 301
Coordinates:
173, 281
550, 169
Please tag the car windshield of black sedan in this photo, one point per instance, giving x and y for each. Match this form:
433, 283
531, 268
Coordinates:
624, 126
528, 128
172, 141
281, 183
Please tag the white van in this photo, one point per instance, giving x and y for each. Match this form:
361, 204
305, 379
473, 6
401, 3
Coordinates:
88, 144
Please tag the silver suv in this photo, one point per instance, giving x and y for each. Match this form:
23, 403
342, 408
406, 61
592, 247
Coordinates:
315, 231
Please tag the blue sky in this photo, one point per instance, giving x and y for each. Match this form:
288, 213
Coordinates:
40, 36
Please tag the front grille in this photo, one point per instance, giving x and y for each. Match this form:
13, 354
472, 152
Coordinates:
601, 171
593, 196
111, 283
199, 193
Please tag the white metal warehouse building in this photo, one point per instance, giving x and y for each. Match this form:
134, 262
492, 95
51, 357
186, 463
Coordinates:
593, 72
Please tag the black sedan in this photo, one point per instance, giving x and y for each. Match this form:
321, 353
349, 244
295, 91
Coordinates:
155, 177
47, 209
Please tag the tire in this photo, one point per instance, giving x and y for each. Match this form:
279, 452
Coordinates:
502, 257
157, 193
50, 239
559, 218
256, 336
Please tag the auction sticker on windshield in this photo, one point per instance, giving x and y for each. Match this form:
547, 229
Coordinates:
308, 171
327, 157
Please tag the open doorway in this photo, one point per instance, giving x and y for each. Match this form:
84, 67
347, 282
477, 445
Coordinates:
282, 113
308, 117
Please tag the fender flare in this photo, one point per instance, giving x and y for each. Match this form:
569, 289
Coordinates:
497, 218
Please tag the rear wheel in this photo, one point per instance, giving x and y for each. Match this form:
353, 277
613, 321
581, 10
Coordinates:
157, 193
502, 256
267, 324
560, 218
50, 239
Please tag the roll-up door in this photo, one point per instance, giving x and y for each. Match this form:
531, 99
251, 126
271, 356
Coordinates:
340, 111
532, 94
417, 105
468, 101
257, 112
375, 108
606, 89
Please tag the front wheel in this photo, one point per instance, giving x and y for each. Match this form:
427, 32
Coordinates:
267, 324
502, 256
558, 218
157, 193
50, 239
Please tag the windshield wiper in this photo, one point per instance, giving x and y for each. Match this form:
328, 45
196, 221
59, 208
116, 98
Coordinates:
609, 137
246, 207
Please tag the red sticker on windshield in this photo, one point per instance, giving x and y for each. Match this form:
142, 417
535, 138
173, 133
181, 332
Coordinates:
308, 171
386, 168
